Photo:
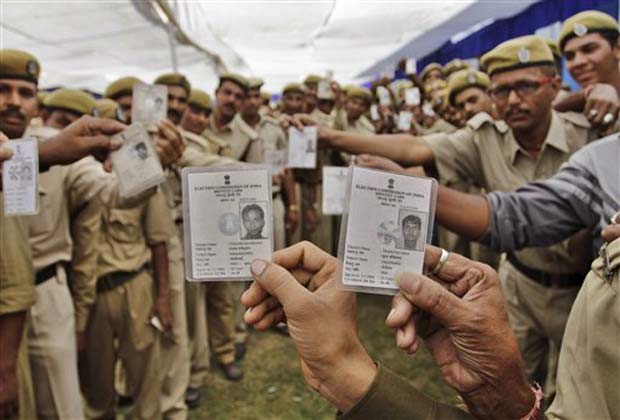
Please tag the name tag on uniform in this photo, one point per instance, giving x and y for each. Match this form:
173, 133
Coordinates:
387, 223
334, 189
136, 163
20, 178
227, 221
302, 147
149, 105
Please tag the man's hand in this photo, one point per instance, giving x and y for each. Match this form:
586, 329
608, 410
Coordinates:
169, 143
301, 286
461, 316
86, 136
378, 162
612, 232
601, 99
162, 309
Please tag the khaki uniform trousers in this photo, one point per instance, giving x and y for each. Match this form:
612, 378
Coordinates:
322, 236
52, 351
123, 314
24, 380
538, 316
174, 347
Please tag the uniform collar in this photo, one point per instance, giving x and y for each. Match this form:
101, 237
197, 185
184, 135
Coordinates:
226, 128
556, 138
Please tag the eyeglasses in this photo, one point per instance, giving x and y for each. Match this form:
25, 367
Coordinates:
522, 88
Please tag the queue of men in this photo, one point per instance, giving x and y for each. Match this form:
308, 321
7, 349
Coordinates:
93, 300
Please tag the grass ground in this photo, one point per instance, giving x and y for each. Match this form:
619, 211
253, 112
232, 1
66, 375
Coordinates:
273, 387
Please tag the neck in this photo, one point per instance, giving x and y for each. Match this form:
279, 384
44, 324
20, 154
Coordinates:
614, 80
251, 119
352, 120
221, 120
531, 139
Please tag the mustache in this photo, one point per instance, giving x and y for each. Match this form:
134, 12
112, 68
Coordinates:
517, 110
174, 113
13, 113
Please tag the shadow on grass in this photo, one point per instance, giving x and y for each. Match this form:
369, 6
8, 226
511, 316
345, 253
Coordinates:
273, 387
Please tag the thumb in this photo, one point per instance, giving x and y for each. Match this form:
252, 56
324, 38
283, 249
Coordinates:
278, 282
430, 296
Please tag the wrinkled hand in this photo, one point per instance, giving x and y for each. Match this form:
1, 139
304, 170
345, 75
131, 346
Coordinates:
301, 286
461, 316
601, 99
169, 143
292, 220
378, 162
612, 232
162, 309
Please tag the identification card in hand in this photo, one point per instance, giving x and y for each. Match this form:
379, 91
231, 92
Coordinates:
404, 120
136, 163
334, 189
227, 221
275, 160
374, 112
20, 175
384, 96
412, 96
149, 105
428, 110
411, 66
387, 223
302, 147
324, 90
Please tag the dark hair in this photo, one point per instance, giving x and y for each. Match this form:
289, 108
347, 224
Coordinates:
412, 218
251, 207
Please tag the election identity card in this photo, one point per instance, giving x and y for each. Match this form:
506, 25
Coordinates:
374, 112
20, 185
136, 163
404, 120
324, 90
411, 66
384, 96
149, 105
302, 147
227, 221
334, 189
428, 110
387, 223
275, 160
412, 96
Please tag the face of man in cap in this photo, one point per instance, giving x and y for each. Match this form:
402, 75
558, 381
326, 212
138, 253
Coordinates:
229, 97
356, 107
177, 103
326, 105
125, 102
59, 118
18, 105
310, 96
473, 100
432, 75
292, 103
523, 97
591, 58
195, 118
252, 102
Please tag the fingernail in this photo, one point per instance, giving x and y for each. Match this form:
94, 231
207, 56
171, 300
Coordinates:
116, 143
390, 314
249, 310
405, 281
258, 266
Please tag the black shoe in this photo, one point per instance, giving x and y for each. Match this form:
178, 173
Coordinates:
240, 350
193, 397
232, 372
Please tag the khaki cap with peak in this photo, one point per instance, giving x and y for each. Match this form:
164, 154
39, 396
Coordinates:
587, 22
255, 83
200, 98
429, 67
521, 52
121, 87
464, 79
108, 108
73, 100
41, 95
553, 46
312, 79
236, 79
359, 92
292, 87
454, 66
174, 79
17, 64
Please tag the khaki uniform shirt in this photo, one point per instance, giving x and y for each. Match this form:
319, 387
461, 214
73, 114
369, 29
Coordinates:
237, 134
127, 234
17, 291
361, 126
439, 126
486, 153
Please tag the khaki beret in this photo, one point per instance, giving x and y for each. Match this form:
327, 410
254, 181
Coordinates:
359, 92
312, 78
174, 79
464, 79
429, 67
236, 79
73, 100
41, 95
521, 52
121, 87
255, 83
454, 66
292, 87
108, 108
200, 98
17, 64
586, 22
555, 50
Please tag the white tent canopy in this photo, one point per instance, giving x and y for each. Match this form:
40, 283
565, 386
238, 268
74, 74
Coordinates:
87, 44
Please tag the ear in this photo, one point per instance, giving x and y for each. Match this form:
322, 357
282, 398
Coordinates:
616, 49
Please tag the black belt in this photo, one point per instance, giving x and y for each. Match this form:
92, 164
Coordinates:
547, 279
45, 274
117, 278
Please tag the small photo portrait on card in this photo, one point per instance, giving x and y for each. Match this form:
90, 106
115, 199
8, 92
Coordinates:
141, 151
254, 219
412, 230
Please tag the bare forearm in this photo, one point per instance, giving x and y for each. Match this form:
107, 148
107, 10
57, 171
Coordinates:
288, 187
160, 268
465, 214
11, 331
402, 148
575, 101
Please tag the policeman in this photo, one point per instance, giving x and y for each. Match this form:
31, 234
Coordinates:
311, 88
354, 120
292, 99
196, 115
121, 91
431, 72
468, 92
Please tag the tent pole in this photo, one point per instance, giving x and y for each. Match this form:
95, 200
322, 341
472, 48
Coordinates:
173, 48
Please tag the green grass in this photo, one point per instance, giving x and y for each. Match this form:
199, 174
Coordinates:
273, 387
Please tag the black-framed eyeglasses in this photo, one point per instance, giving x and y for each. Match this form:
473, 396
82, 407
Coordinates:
522, 88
